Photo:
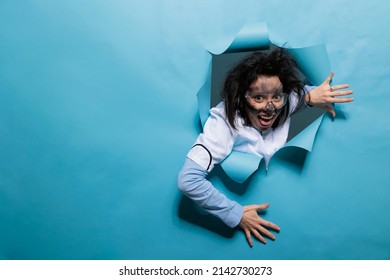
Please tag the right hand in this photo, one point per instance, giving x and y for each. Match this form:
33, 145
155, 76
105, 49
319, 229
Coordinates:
251, 223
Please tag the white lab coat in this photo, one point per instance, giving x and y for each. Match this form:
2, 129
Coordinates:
219, 138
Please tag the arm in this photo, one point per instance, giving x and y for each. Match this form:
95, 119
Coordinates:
193, 183
213, 146
324, 95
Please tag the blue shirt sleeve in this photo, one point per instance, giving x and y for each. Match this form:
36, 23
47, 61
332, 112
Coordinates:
193, 183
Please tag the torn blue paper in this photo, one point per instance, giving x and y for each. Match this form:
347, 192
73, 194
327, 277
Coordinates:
312, 61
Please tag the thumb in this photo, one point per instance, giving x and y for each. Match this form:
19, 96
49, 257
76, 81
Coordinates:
331, 110
328, 79
256, 207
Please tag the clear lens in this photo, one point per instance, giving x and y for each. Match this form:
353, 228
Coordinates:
263, 101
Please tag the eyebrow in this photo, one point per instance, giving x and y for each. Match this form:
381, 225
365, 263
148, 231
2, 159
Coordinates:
277, 91
272, 91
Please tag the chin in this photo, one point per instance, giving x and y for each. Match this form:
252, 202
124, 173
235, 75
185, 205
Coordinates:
261, 127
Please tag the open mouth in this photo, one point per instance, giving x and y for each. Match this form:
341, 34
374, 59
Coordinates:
265, 120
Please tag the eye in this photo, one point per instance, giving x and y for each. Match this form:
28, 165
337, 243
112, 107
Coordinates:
259, 98
277, 97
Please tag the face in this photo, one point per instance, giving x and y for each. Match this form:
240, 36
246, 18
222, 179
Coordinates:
264, 101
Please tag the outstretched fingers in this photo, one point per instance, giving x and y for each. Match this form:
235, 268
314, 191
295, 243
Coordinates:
248, 237
337, 87
342, 93
270, 225
325, 95
341, 100
265, 232
328, 79
254, 226
256, 233
257, 207
336, 99
331, 110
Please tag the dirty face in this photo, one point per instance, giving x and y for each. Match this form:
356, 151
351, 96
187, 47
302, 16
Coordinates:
265, 99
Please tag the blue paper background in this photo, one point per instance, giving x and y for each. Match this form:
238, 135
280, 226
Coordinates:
98, 109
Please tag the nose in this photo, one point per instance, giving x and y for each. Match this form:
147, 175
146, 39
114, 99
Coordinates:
270, 106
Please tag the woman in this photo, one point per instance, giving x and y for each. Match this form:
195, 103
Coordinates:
259, 96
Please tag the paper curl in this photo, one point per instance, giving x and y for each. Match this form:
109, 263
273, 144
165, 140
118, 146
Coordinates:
312, 61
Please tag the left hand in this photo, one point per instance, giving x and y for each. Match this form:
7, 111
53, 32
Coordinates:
252, 224
325, 95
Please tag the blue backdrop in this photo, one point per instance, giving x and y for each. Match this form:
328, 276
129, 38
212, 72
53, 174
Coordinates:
98, 109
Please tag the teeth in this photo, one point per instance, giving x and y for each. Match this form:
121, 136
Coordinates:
266, 118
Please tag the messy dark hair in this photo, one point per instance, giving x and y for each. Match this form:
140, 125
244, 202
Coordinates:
276, 62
